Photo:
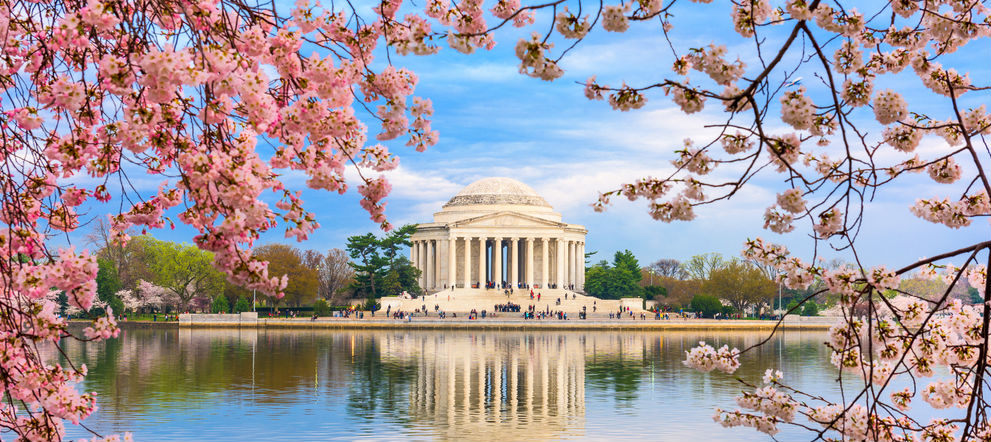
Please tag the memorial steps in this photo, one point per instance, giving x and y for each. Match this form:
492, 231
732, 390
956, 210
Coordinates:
462, 301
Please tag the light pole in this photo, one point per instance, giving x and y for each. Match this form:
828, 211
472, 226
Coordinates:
253, 302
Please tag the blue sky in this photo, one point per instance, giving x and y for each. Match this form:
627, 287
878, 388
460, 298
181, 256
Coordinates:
495, 122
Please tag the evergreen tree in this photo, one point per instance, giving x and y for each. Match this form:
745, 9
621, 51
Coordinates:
242, 305
220, 304
620, 280
379, 268
108, 284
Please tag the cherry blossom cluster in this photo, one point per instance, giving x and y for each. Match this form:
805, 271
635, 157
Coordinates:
705, 358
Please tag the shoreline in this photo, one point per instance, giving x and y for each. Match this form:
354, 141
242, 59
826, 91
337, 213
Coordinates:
429, 323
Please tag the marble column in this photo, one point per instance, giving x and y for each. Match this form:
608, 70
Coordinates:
581, 266
415, 258
573, 259
428, 278
452, 263
423, 264
544, 245
560, 262
467, 280
497, 264
481, 262
529, 262
439, 248
514, 277
412, 253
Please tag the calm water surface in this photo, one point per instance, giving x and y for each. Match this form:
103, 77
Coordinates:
301, 385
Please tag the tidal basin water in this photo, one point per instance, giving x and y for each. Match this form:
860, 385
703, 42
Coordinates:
315, 385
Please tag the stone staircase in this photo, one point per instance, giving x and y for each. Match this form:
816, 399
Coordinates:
462, 300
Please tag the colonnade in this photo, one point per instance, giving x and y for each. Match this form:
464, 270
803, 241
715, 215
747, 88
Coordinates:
472, 261
490, 389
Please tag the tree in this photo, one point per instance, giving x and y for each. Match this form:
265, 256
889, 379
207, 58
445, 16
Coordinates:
670, 268
810, 309
699, 267
679, 292
155, 297
219, 304
107, 285
242, 305
335, 273
379, 269
368, 263
620, 280
321, 308
741, 284
655, 292
707, 305
289, 262
112, 91
186, 271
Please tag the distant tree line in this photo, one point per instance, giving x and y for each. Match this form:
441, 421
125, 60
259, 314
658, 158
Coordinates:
150, 275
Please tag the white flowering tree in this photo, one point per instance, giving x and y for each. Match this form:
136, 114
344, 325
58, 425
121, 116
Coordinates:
147, 296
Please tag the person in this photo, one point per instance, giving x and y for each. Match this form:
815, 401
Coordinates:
538, 296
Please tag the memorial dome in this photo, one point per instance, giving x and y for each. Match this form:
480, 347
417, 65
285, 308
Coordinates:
497, 191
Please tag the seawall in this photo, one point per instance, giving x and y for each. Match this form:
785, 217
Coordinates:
251, 320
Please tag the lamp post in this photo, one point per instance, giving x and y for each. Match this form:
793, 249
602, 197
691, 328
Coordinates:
253, 302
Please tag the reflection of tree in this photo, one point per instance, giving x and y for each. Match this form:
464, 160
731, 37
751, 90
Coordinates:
616, 372
378, 386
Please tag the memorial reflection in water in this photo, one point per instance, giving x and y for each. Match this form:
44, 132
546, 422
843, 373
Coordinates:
505, 387
314, 385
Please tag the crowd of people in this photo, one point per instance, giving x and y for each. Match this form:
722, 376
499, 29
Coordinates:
508, 307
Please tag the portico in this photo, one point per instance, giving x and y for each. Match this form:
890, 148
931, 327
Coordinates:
498, 233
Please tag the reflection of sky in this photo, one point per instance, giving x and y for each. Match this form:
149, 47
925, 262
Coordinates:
496, 122
308, 386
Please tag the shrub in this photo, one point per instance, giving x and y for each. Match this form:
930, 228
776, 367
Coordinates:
708, 305
242, 305
219, 305
810, 309
321, 308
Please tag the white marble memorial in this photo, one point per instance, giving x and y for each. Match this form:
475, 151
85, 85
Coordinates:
499, 230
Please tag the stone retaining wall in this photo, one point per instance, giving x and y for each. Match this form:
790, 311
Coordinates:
248, 319
252, 320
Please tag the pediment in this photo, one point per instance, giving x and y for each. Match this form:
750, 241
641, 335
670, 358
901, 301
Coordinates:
506, 219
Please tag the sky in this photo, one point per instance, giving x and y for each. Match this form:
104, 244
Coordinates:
494, 121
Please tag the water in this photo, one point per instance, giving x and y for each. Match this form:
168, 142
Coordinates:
314, 385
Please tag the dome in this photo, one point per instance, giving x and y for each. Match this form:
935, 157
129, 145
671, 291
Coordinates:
497, 191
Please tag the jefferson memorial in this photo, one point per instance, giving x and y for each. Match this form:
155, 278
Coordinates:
499, 233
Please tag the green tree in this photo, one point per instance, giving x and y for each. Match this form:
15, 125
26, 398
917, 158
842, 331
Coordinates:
184, 269
242, 305
620, 280
321, 308
653, 292
741, 284
370, 267
699, 267
379, 268
626, 260
810, 308
219, 304
108, 284
707, 305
